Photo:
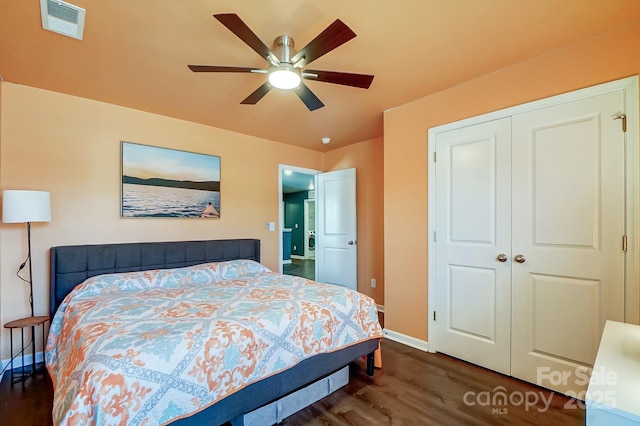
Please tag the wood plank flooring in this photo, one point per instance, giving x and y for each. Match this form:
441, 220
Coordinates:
412, 388
28, 405
418, 388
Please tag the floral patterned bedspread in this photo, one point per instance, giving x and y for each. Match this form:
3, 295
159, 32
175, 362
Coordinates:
150, 347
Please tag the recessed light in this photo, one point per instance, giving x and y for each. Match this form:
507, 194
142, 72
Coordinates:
325, 140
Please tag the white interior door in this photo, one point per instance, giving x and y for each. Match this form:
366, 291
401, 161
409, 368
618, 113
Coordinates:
568, 224
473, 192
547, 189
336, 225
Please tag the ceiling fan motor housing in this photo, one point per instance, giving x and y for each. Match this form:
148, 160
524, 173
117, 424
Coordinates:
283, 48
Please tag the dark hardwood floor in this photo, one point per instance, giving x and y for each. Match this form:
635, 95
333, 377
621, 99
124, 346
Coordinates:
27, 403
412, 388
418, 388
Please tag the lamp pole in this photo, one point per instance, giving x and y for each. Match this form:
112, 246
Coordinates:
30, 268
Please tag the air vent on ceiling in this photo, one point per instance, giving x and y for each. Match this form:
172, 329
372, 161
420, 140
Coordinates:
62, 18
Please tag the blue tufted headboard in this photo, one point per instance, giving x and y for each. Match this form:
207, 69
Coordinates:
71, 265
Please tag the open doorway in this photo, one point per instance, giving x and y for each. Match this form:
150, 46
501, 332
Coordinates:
297, 221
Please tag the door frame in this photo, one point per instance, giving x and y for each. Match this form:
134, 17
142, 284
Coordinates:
281, 169
307, 208
632, 187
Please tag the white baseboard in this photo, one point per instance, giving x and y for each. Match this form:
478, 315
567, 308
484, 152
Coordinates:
380, 308
17, 363
405, 340
285, 262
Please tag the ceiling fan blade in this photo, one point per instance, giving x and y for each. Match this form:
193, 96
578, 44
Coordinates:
306, 95
333, 36
346, 79
215, 68
258, 94
240, 29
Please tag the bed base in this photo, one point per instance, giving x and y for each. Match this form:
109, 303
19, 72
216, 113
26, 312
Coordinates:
277, 411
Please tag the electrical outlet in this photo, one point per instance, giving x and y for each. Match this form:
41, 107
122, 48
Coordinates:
295, 248
373, 283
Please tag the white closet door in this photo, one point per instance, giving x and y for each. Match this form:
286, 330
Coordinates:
473, 192
568, 224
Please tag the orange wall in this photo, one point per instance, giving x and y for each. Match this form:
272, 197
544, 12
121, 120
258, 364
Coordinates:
71, 147
596, 60
366, 158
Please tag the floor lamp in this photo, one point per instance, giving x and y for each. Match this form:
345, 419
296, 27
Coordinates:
20, 206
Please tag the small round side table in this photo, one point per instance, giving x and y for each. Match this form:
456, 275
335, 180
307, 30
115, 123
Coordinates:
21, 324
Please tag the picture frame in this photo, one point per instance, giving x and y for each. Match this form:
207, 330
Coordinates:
164, 182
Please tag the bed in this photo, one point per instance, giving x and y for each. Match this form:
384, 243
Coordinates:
89, 283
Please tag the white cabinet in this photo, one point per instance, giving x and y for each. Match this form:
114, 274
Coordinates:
613, 396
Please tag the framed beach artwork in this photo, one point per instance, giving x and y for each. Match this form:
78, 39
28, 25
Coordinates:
162, 182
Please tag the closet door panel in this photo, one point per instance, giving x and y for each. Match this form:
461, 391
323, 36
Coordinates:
568, 223
473, 187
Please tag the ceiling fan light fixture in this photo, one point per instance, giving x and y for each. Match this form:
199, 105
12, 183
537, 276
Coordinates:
284, 77
286, 65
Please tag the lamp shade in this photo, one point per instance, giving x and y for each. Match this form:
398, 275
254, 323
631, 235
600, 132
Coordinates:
20, 206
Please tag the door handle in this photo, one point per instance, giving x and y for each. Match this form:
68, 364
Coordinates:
351, 242
520, 258
502, 257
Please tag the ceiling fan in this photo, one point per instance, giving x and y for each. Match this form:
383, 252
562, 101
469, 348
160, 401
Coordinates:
286, 65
